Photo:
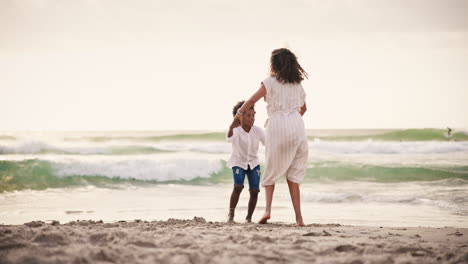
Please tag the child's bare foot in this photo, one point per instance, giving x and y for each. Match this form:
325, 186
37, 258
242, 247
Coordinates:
264, 219
248, 220
231, 216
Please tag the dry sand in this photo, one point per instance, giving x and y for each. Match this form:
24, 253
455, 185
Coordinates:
199, 241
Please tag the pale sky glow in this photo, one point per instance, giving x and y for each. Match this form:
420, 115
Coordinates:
165, 65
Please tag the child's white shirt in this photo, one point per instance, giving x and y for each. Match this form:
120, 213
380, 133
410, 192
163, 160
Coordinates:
245, 147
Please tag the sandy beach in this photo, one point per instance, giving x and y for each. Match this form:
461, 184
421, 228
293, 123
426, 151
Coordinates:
201, 241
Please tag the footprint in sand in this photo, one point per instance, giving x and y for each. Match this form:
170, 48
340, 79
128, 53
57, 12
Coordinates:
316, 234
51, 239
144, 244
104, 255
346, 248
415, 252
377, 237
300, 241
9, 242
457, 233
257, 237
99, 238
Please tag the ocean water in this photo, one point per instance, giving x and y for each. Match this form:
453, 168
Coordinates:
415, 177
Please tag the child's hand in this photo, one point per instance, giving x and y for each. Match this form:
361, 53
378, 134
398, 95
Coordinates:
235, 123
238, 116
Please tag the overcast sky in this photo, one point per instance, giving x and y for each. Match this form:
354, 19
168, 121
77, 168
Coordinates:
164, 65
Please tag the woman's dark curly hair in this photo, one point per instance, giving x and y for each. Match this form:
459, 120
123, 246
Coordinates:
239, 105
284, 66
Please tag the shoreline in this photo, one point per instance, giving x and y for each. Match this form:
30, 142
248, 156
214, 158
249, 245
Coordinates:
201, 241
378, 204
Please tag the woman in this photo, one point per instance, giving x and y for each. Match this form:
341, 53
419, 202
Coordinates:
286, 141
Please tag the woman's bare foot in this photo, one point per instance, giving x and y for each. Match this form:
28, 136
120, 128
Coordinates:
264, 219
300, 222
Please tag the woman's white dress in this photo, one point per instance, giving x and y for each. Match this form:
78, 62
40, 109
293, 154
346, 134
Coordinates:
286, 148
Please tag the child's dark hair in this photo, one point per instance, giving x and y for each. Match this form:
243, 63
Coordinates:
285, 67
239, 105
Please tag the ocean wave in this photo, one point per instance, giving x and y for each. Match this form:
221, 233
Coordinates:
387, 147
331, 197
42, 174
7, 137
456, 202
332, 171
317, 145
341, 197
140, 169
426, 134
40, 147
215, 136
200, 147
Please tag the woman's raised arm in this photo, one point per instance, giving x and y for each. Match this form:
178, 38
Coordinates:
261, 92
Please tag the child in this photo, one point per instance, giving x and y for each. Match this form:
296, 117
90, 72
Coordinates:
245, 138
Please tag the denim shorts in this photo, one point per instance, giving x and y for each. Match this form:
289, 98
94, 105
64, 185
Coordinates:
253, 175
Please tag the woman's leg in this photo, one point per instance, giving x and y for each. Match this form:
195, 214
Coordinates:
295, 193
269, 189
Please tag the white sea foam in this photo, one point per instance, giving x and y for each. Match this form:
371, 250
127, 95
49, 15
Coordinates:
141, 169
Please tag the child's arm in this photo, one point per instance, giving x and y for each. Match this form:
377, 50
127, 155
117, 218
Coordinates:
235, 123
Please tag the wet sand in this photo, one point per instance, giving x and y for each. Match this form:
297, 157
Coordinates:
201, 241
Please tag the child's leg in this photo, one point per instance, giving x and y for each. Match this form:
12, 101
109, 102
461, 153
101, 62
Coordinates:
239, 175
252, 204
234, 199
269, 189
254, 183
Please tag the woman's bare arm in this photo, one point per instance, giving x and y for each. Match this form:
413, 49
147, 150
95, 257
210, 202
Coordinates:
252, 100
303, 109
